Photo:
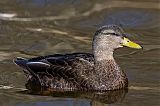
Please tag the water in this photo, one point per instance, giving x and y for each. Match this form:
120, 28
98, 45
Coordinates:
31, 28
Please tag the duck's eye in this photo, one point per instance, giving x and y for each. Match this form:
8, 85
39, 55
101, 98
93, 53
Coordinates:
111, 34
115, 34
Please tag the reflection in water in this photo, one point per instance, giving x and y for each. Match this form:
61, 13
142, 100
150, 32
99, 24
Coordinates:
108, 97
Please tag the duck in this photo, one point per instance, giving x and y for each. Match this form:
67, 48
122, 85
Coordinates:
96, 71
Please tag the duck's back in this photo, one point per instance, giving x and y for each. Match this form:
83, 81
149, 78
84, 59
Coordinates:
67, 72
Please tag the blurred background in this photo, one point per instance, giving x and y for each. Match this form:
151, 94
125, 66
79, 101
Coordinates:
30, 28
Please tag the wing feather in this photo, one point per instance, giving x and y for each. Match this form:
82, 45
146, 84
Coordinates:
72, 69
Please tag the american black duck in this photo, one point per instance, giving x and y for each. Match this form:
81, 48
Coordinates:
81, 71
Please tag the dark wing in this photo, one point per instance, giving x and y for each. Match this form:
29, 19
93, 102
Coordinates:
60, 70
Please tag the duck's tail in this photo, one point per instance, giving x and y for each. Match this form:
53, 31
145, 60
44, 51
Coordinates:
22, 62
33, 82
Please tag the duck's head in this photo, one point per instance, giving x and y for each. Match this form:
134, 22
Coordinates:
110, 37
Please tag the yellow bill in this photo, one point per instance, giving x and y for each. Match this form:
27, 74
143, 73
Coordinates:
128, 43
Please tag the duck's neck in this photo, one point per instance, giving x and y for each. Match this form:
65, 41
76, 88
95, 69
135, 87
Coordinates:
101, 55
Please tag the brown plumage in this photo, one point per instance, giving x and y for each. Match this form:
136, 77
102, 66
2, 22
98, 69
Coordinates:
79, 71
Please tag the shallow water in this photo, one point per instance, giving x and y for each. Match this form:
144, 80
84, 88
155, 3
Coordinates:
31, 28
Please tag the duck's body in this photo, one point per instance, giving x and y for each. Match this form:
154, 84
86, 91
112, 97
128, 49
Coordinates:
75, 71
78, 71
